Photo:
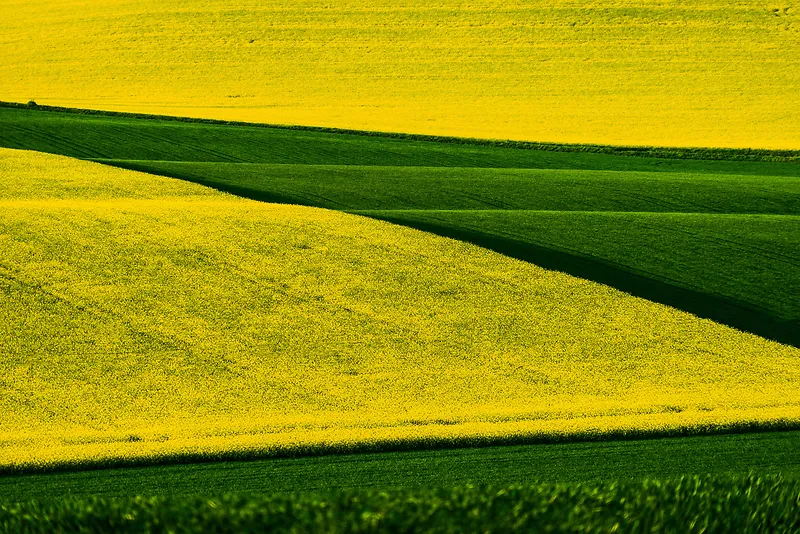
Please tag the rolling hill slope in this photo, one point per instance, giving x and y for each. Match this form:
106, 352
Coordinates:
716, 237
700, 73
150, 318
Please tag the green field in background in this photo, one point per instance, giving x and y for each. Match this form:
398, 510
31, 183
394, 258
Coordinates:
690, 233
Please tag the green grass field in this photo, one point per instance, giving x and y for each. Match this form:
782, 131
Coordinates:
685, 505
760, 453
715, 237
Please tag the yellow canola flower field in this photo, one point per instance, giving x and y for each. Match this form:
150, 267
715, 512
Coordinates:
651, 72
143, 317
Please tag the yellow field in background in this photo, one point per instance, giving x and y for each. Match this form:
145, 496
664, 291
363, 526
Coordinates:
700, 73
145, 316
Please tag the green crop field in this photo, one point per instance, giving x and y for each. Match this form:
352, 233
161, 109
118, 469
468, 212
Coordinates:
711, 232
743, 454
690, 504
399, 266
715, 237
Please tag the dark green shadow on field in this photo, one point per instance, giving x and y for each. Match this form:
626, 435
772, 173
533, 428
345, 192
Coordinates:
726, 311
729, 312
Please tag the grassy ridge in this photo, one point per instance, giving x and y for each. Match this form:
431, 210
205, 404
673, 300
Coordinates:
691, 504
152, 319
763, 453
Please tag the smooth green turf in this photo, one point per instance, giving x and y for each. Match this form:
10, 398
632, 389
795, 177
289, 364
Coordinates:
769, 453
691, 504
716, 263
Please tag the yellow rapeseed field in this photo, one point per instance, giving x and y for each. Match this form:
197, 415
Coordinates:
142, 316
665, 72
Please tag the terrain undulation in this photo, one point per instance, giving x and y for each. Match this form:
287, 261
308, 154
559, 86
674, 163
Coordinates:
148, 316
424, 266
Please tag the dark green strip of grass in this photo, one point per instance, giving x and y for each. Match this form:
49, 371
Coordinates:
126, 137
739, 270
691, 504
421, 188
697, 153
768, 453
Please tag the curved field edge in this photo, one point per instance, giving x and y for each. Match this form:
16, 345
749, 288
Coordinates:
143, 449
718, 307
681, 153
741, 282
150, 315
686, 504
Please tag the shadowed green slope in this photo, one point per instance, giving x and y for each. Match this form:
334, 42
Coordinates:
435, 188
718, 263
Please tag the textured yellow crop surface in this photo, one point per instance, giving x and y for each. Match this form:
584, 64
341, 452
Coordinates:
665, 72
145, 316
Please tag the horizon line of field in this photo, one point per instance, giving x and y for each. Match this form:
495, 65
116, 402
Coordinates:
759, 453
667, 152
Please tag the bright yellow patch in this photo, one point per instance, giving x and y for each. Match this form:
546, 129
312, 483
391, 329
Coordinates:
701, 72
146, 316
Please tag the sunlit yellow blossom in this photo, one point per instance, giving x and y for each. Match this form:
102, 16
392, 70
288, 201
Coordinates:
142, 316
650, 72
